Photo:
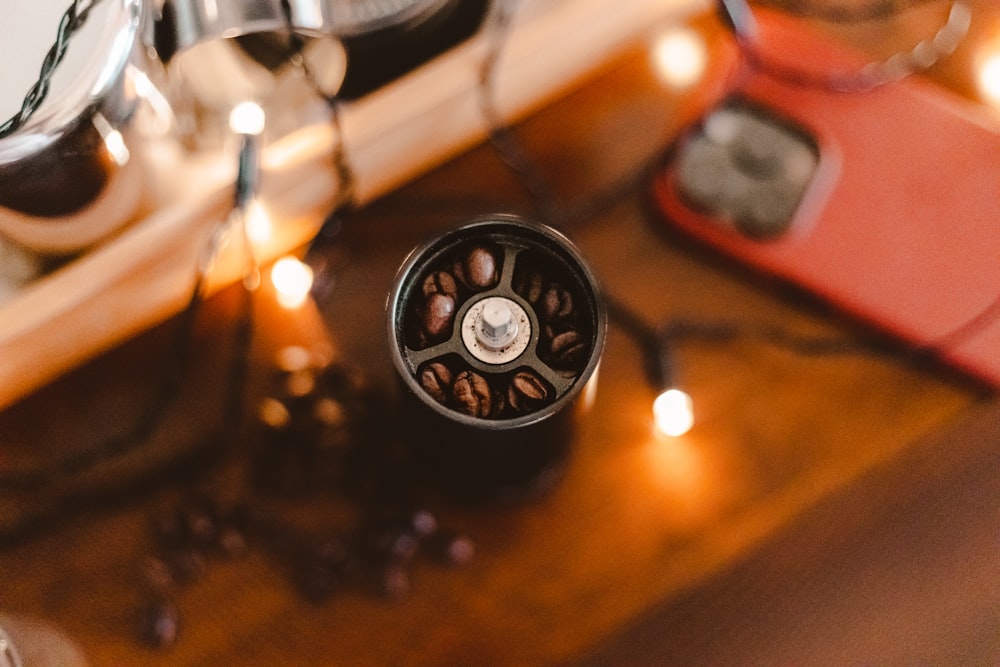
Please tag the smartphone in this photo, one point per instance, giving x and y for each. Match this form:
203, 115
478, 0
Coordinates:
885, 202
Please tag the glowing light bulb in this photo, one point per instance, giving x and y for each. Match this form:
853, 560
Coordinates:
292, 281
679, 57
673, 412
247, 118
989, 78
258, 222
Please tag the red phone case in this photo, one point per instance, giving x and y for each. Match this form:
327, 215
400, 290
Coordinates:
900, 222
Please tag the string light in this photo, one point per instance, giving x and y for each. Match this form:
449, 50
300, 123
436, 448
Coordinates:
989, 78
259, 227
679, 57
292, 281
247, 118
673, 412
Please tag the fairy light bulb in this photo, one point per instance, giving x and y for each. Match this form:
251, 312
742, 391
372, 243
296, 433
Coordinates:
247, 118
679, 57
673, 412
260, 229
989, 78
292, 281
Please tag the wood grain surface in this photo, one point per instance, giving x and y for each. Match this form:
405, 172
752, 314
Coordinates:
805, 519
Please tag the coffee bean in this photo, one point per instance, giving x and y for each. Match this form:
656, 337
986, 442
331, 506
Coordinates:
454, 549
423, 523
436, 379
477, 269
158, 574
231, 542
499, 404
530, 285
472, 394
567, 349
440, 282
394, 582
160, 624
438, 314
556, 304
526, 392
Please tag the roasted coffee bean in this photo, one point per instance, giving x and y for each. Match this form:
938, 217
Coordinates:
231, 542
440, 282
499, 404
436, 379
394, 581
530, 285
556, 304
526, 392
567, 349
157, 574
472, 394
201, 522
437, 315
187, 565
423, 523
454, 549
160, 624
477, 269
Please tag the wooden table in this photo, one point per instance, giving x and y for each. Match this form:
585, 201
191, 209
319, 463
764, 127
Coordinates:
823, 510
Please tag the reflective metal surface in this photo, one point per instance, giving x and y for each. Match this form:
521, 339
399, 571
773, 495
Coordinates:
65, 156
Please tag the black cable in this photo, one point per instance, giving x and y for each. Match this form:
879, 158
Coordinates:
72, 20
166, 394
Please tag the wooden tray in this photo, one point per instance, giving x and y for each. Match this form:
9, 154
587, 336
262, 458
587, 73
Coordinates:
145, 274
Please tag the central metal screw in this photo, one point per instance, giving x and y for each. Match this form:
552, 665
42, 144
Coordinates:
497, 325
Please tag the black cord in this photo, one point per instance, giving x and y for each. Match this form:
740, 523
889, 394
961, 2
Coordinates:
166, 394
72, 20
658, 343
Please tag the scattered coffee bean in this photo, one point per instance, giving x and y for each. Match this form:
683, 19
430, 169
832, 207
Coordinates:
394, 582
527, 392
157, 574
472, 394
232, 542
454, 550
187, 565
423, 523
436, 379
160, 624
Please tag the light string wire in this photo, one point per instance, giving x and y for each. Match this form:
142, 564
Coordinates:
72, 20
739, 18
657, 343
170, 383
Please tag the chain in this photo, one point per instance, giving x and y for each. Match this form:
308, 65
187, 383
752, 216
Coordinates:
869, 77
880, 10
72, 20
